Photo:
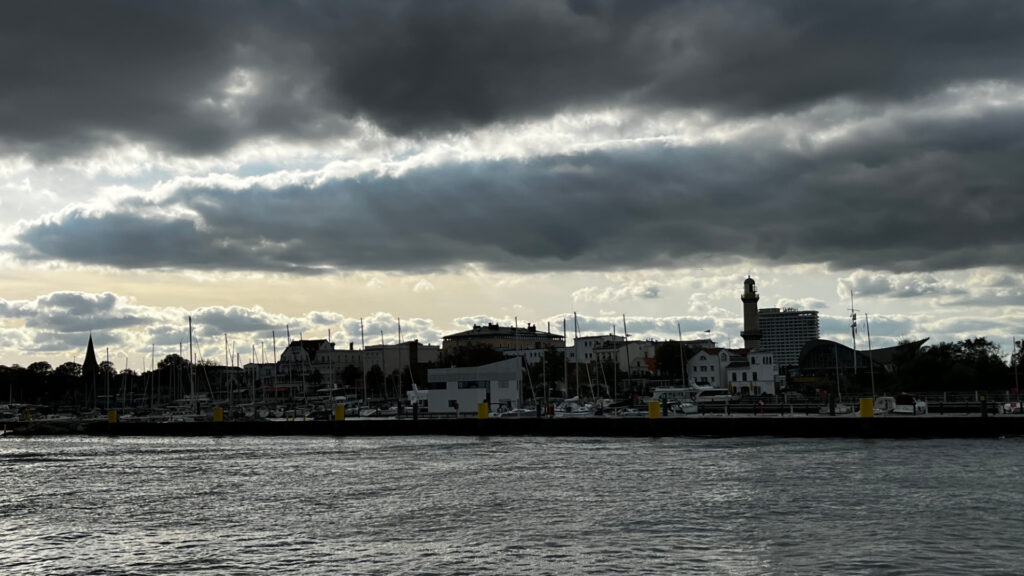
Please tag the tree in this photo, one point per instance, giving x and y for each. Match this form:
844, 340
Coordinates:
172, 361
375, 380
350, 375
69, 370
42, 369
964, 365
667, 360
106, 368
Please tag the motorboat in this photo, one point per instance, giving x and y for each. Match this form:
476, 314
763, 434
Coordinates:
909, 404
884, 405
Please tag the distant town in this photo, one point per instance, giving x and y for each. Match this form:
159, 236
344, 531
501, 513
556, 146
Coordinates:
517, 366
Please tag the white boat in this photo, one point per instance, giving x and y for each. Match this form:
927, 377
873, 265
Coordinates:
909, 404
884, 405
683, 407
573, 408
840, 408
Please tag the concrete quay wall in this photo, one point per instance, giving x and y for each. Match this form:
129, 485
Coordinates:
712, 426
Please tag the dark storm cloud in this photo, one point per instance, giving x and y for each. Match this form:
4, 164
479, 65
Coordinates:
77, 74
913, 196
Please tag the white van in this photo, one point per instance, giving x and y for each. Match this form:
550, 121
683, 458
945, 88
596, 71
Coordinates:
713, 395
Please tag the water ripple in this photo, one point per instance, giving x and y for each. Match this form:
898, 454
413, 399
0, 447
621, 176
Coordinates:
443, 505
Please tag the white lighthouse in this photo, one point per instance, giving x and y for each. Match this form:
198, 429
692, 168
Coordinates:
751, 324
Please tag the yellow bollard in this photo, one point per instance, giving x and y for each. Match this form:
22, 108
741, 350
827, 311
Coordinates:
483, 410
218, 414
654, 410
339, 413
867, 407
112, 416
28, 415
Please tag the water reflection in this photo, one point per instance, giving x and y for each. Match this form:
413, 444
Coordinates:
508, 505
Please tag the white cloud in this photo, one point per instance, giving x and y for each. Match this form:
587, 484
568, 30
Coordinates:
644, 291
423, 285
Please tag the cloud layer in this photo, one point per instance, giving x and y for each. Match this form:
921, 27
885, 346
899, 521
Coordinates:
196, 77
910, 198
876, 145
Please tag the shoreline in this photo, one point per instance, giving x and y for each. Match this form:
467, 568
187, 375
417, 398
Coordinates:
812, 426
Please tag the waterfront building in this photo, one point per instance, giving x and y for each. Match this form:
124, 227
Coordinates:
460, 390
784, 332
742, 371
708, 367
402, 357
311, 365
635, 357
751, 372
503, 338
824, 358
530, 356
584, 350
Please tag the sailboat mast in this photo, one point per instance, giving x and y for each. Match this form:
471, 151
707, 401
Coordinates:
565, 359
682, 360
625, 334
576, 350
191, 368
853, 332
871, 361
362, 357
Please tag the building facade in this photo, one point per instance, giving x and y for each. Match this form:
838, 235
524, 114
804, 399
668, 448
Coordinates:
785, 331
753, 373
460, 390
503, 338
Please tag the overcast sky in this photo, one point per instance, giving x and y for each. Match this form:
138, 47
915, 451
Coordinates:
272, 166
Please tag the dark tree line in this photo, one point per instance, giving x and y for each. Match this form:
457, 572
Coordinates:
971, 364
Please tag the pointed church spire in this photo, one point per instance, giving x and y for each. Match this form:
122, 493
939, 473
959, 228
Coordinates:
90, 367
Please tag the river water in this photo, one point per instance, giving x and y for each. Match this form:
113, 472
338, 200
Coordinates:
447, 505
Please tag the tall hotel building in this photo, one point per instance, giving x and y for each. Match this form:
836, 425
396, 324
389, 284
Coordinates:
785, 331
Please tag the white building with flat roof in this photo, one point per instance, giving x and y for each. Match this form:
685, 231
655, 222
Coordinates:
460, 390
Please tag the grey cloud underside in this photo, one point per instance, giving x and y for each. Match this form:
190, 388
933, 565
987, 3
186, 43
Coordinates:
79, 74
912, 197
